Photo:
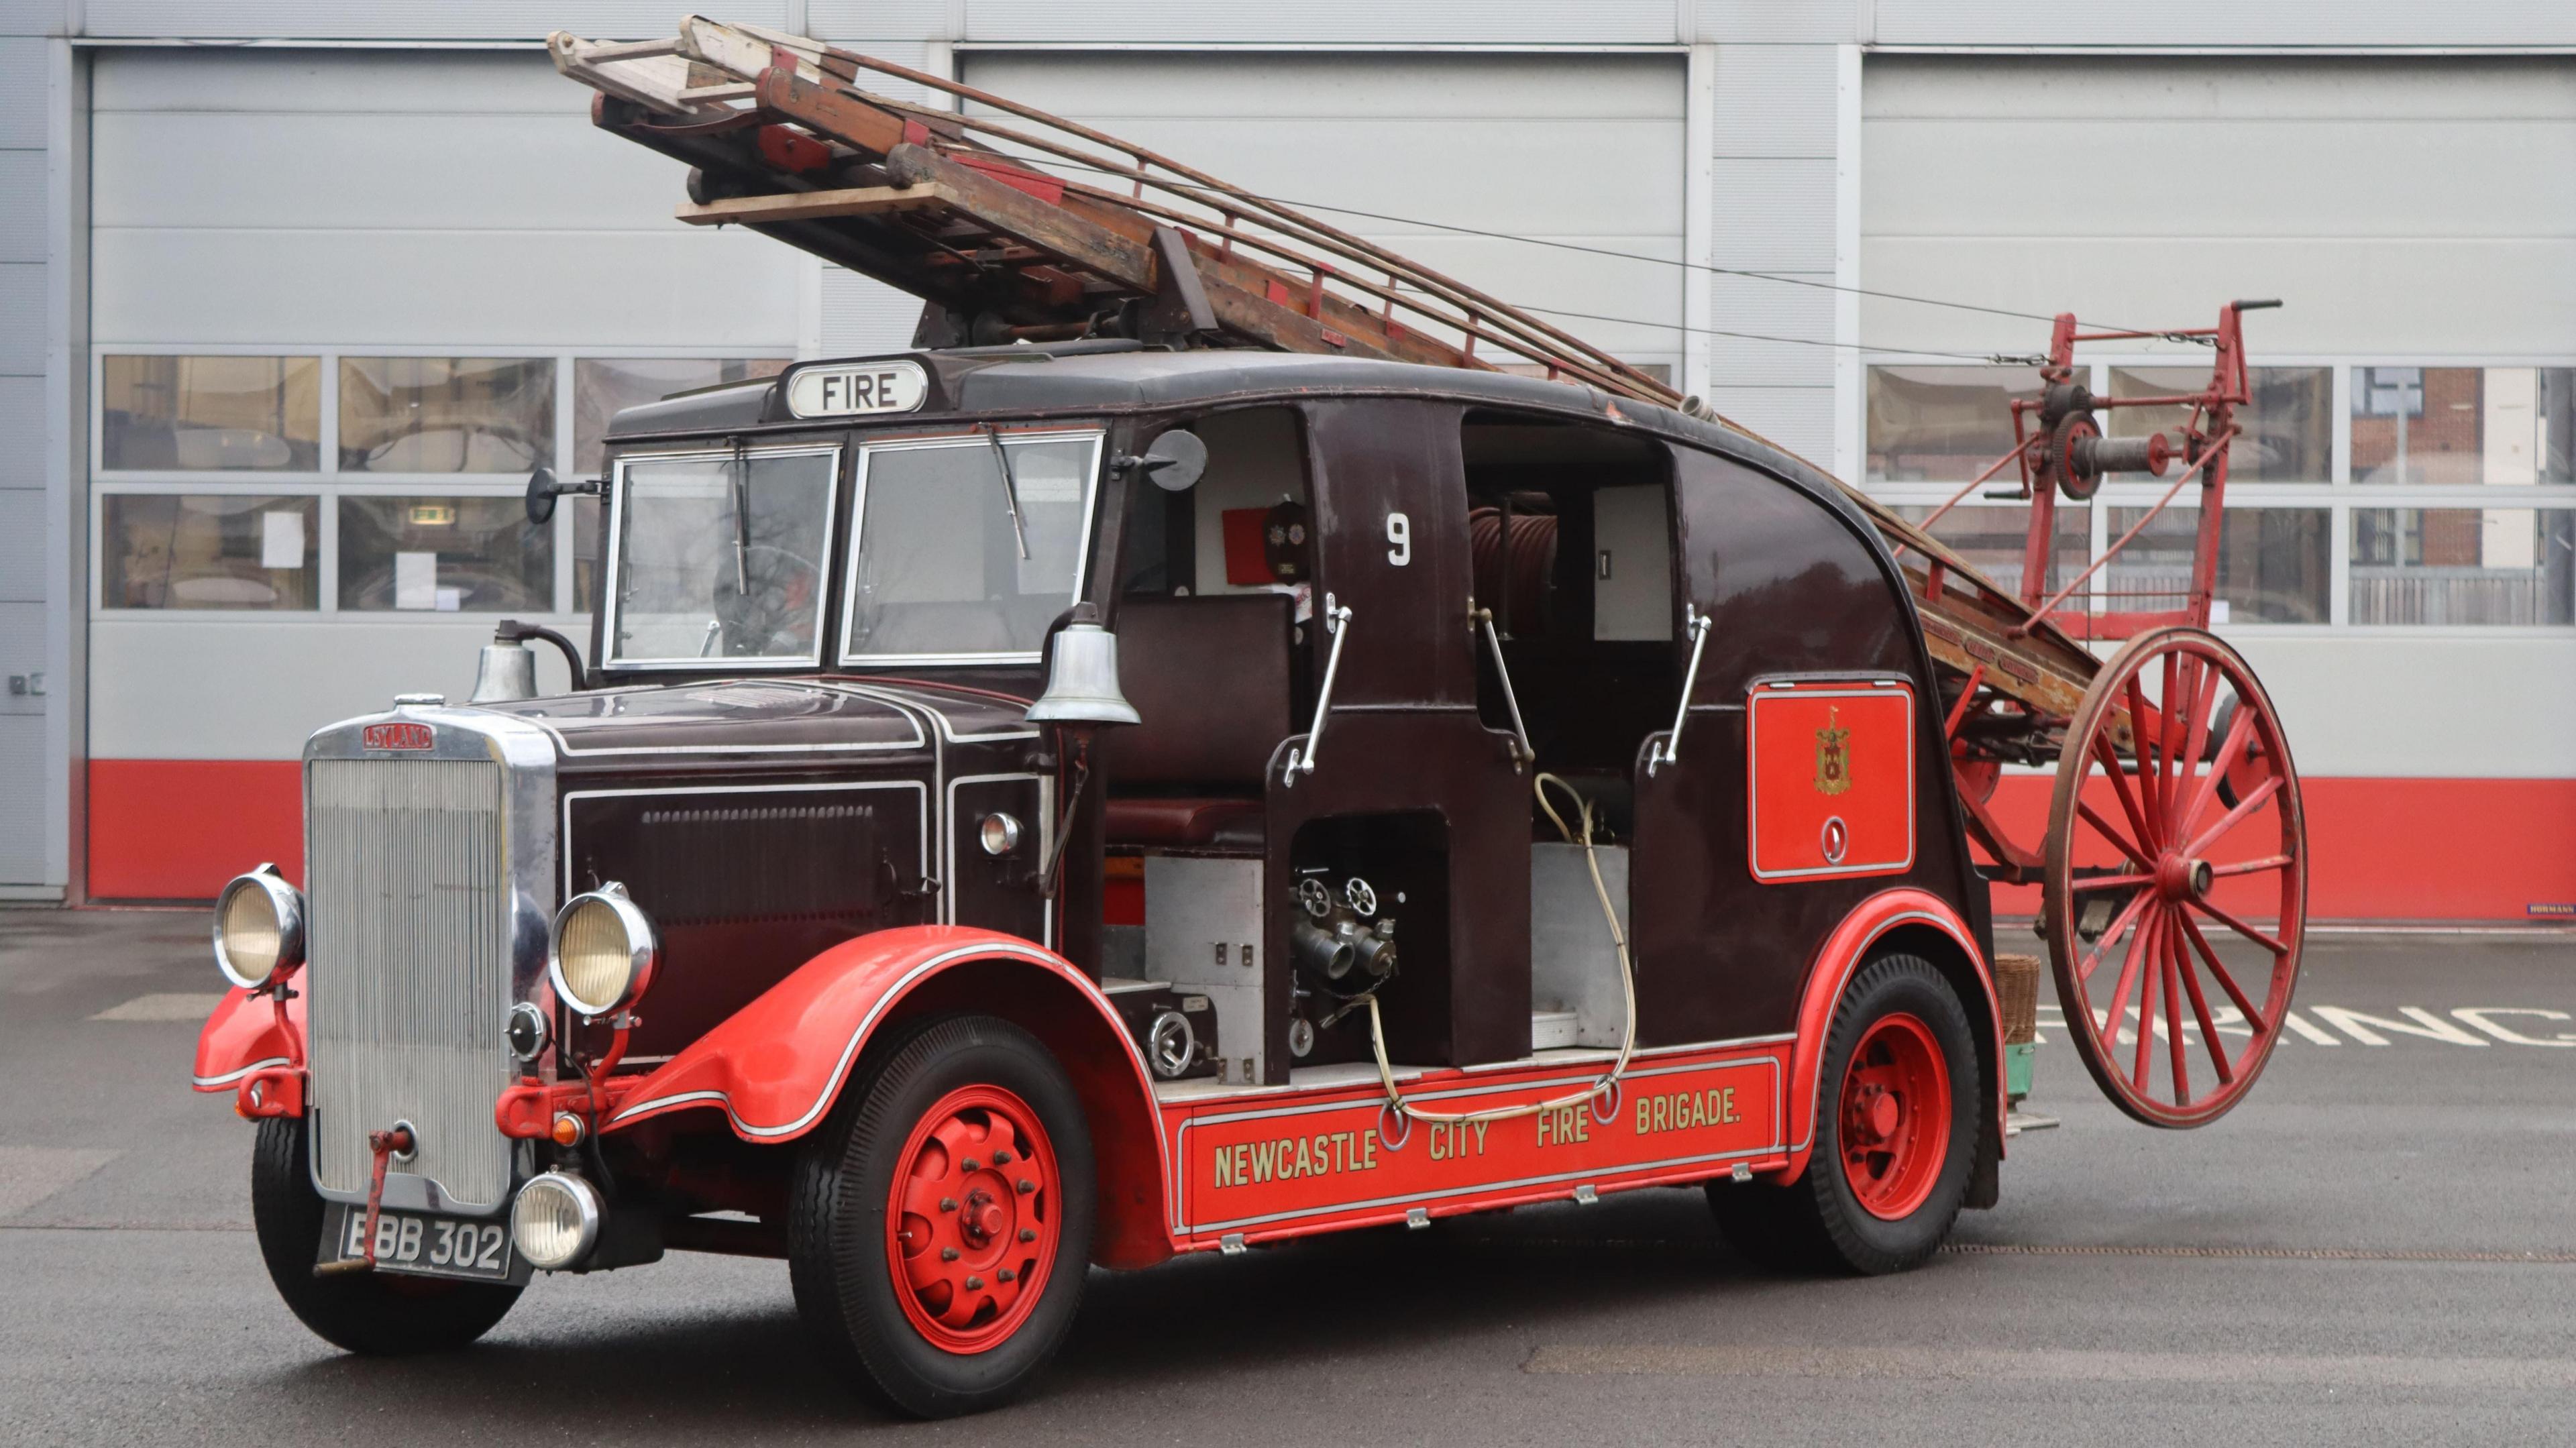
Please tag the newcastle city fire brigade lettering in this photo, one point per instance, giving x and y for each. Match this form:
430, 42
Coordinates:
1682, 1110
1833, 760
1289, 1158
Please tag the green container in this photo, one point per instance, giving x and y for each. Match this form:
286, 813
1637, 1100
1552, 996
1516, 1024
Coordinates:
2017, 1060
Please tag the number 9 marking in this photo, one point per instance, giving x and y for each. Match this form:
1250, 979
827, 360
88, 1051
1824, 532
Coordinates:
1399, 531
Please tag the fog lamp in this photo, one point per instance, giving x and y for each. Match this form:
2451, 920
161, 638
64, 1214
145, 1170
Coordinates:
555, 1221
1000, 833
601, 953
259, 927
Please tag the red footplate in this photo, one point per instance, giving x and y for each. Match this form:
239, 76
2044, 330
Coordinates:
1282, 1164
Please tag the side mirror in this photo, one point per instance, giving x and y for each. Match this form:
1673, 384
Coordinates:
543, 490
1176, 461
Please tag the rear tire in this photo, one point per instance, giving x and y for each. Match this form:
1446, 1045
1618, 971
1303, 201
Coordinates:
377, 1314
1899, 1112
941, 1223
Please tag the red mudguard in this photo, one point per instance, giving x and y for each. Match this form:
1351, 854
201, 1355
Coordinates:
244, 1036
775, 1067
1841, 955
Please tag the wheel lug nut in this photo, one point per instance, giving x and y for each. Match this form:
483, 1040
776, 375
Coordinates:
969, 1164
1005, 1274
974, 1284
1001, 1158
947, 1204
1027, 1187
1028, 1234
947, 1254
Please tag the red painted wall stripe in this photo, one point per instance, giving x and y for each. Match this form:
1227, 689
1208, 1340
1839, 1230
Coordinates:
2385, 849
177, 829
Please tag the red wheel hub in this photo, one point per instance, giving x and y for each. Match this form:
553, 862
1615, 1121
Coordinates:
972, 1218
1895, 1117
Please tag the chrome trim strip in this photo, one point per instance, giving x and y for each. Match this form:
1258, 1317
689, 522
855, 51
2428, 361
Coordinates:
888, 694
1097, 437
608, 598
229, 1077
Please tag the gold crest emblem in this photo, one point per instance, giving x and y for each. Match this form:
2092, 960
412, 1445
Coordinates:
1833, 761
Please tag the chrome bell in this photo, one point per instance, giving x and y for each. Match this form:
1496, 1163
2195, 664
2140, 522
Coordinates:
1082, 678
508, 671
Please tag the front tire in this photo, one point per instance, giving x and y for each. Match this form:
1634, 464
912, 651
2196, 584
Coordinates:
941, 1224
376, 1314
1898, 1117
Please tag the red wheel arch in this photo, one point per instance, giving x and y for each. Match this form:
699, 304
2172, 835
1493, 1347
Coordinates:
1887, 913
244, 1037
776, 1067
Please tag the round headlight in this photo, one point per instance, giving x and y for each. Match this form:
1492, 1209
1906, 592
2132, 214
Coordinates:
1000, 834
259, 928
602, 951
555, 1221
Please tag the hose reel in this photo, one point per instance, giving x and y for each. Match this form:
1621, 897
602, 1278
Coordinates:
2075, 456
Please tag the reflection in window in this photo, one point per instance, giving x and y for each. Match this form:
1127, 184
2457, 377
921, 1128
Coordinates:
210, 413
446, 414
2288, 427
721, 558
476, 555
2413, 426
1943, 424
2274, 564
940, 567
601, 386
586, 542
1993, 538
2463, 566
161, 551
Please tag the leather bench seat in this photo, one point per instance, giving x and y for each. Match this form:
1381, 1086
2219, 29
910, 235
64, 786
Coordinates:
1186, 824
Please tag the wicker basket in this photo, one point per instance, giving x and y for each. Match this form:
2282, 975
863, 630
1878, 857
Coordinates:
2017, 983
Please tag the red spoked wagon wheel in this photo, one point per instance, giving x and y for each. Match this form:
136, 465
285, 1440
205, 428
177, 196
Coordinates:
972, 1218
2159, 852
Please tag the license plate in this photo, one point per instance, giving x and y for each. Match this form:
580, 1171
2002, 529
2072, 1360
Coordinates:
475, 1249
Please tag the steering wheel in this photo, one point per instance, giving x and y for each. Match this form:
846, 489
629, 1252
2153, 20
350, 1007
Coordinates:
768, 616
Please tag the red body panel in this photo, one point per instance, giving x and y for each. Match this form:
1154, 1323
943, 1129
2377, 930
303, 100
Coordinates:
1829, 777
243, 1037
775, 1066
1840, 956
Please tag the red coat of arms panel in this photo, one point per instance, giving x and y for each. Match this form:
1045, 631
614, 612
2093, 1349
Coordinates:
1829, 777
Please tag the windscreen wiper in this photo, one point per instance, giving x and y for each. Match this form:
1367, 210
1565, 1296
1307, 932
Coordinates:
1010, 490
741, 522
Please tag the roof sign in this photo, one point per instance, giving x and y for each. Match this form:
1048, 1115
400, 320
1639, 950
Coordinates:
857, 389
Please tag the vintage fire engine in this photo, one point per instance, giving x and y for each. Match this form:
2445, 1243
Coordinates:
1192, 755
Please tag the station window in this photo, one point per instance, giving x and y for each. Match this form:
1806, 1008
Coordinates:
603, 385
2459, 426
446, 414
2274, 564
195, 414
1942, 424
444, 554
2288, 428
175, 550
1991, 538
2463, 566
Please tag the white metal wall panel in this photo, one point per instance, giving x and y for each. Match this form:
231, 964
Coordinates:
1772, 210
863, 316
1595, 139
2225, 22
419, 200
1793, 313
2397, 205
1800, 419
22, 428
405, 19
22, 92
22, 318
22, 206
22, 797
31, 17
877, 20
2429, 708
310, 675
22, 546
1324, 22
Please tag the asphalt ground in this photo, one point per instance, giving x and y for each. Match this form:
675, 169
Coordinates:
2377, 1248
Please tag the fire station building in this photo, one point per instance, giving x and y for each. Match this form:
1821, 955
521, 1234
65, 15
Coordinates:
294, 295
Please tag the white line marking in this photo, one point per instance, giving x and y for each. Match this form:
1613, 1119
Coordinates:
29, 1174
166, 1006
2059, 1365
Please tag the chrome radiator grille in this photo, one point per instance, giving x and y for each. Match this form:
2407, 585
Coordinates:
410, 974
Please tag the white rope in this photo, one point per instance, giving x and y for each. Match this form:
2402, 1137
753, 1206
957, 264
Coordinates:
1627, 988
